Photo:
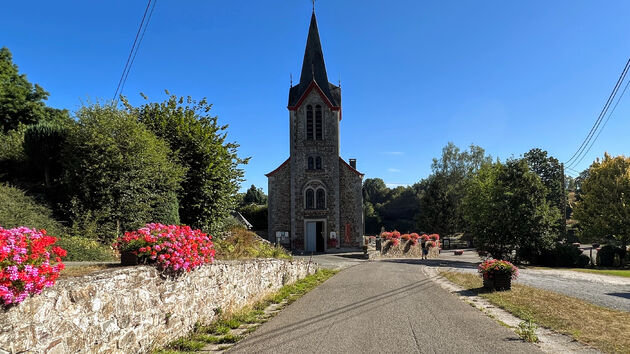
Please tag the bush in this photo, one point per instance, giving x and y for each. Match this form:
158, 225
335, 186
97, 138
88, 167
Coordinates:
118, 173
85, 249
173, 248
562, 255
12, 156
257, 215
19, 209
26, 267
213, 174
42, 144
242, 243
610, 256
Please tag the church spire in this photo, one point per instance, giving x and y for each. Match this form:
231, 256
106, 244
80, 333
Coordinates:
313, 66
314, 70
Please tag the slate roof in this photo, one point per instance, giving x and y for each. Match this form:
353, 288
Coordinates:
314, 69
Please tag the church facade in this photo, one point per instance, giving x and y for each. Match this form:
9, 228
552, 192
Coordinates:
315, 199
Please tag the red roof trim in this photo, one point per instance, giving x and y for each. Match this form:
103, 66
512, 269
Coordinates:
321, 93
351, 168
277, 169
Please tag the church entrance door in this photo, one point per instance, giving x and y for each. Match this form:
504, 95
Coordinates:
315, 236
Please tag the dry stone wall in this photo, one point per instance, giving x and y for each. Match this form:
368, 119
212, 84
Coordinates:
135, 309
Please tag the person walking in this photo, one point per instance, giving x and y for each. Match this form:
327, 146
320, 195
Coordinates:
425, 250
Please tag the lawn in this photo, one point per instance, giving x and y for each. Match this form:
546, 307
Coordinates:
603, 328
615, 272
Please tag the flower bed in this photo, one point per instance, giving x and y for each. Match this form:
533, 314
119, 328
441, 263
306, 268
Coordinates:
172, 248
408, 245
29, 262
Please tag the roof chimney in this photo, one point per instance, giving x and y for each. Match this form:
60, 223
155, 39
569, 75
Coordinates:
353, 163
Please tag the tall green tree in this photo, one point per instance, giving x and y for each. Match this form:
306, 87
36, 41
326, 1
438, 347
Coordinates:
254, 196
20, 100
374, 191
441, 204
507, 210
549, 169
118, 174
603, 211
213, 174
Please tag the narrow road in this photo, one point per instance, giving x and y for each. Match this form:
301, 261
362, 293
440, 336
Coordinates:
381, 307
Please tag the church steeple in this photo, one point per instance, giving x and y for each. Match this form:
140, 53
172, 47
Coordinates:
314, 70
313, 66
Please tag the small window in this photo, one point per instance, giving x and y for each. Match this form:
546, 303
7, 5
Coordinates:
318, 123
309, 122
321, 199
311, 165
318, 163
310, 196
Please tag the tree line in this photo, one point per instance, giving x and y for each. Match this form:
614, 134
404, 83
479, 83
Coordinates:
109, 168
512, 209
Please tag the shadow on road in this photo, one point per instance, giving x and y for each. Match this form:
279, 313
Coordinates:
388, 296
434, 262
624, 295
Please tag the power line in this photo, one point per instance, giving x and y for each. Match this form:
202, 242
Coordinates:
134, 48
581, 149
122, 87
604, 125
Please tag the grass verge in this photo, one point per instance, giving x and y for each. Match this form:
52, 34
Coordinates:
603, 328
616, 272
219, 331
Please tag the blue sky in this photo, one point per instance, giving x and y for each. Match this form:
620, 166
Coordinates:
508, 76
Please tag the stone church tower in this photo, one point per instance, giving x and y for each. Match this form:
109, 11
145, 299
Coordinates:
315, 199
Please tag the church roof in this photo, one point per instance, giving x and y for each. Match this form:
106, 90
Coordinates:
314, 70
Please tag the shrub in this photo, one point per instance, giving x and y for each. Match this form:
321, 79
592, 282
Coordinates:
490, 267
213, 174
257, 215
610, 256
19, 209
173, 248
12, 155
42, 144
25, 263
241, 243
562, 255
118, 172
85, 249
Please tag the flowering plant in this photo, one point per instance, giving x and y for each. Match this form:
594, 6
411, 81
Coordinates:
26, 267
405, 237
424, 237
430, 244
490, 267
395, 241
395, 234
386, 235
434, 237
174, 248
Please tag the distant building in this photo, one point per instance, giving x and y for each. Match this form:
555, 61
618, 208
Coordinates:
315, 200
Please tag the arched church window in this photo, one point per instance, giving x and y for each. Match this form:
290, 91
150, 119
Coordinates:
318, 163
321, 199
318, 123
311, 164
309, 122
310, 199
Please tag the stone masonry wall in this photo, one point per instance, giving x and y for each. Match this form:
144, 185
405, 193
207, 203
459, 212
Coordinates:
134, 309
350, 185
279, 202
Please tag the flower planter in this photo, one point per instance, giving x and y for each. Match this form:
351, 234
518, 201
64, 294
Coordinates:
129, 259
498, 281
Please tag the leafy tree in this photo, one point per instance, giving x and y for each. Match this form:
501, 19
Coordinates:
441, 209
42, 144
117, 173
506, 209
374, 191
257, 215
20, 100
254, 196
604, 208
400, 208
549, 170
213, 176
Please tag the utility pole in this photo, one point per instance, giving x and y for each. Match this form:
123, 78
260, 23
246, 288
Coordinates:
564, 201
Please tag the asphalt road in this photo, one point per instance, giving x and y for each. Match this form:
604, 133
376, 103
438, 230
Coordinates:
381, 307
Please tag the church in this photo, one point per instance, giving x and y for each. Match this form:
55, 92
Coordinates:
315, 199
